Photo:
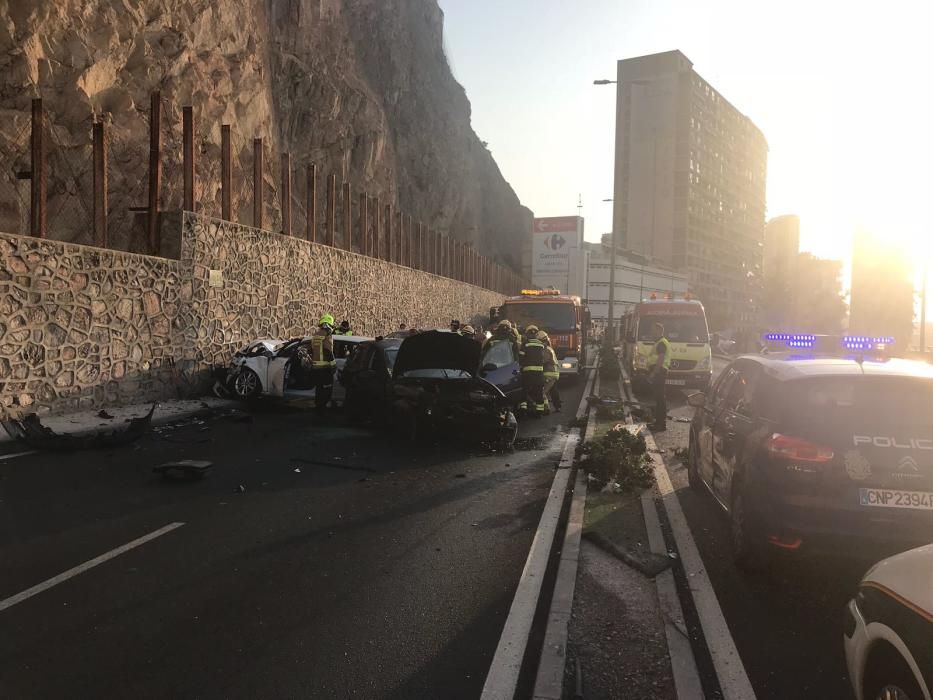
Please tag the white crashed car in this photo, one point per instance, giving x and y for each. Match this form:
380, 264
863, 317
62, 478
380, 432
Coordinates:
889, 629
272, 368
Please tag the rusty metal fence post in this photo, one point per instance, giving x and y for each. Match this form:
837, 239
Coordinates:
226, 173
38, 179
286, 201
187, 128
388, 223
399, 236
155, 170
101, 237
311, 204
420, 233
377, 244
364, 229
331, 221
257, 183
347, 218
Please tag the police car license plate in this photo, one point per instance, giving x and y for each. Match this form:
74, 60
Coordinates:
676, 382
892, 498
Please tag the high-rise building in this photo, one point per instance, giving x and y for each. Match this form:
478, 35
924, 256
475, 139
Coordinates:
882, 297
780, 255
690, 182
781, 244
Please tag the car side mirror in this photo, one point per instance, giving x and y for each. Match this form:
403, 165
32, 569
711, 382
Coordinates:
489, 367
697, 400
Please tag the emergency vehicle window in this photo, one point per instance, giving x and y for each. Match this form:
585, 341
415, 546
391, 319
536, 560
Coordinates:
548, 316
498, 354
677, 329
899, 405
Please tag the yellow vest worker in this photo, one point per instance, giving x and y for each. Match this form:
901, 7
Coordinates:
323, 362
660, 360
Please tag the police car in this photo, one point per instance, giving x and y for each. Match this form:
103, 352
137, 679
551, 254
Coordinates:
812, 451
889, 629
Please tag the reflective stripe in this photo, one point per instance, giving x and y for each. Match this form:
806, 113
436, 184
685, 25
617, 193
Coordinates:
653, 357
533, 368
323, 364
552, 375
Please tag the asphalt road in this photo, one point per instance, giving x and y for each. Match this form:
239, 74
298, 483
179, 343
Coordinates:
316, 561
786, 623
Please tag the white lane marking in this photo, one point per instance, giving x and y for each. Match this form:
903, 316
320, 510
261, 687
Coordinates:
729, 668
502, 679
18, 454
81, 568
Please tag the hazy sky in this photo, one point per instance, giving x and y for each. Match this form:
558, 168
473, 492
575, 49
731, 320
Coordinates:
843, 95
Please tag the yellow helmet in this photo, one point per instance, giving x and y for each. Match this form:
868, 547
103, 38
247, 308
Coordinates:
326, 318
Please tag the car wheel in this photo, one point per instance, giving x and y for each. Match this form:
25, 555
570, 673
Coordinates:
889, 678
693, 465
247, 384
747, 547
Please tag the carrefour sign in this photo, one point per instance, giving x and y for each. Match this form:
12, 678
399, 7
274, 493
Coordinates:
552, 240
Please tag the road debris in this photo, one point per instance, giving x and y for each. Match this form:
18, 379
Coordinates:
185, 469
32, 432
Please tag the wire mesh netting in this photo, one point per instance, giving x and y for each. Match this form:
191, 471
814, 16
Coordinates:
70, 182
243, 185
128, 179
14, 188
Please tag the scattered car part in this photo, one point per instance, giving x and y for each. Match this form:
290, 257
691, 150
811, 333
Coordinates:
187, 469
30, 431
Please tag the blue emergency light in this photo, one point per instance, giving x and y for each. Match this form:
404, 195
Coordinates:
792, 340
865, 342
847, 342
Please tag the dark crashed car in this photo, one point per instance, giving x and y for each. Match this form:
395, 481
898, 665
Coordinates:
427, 386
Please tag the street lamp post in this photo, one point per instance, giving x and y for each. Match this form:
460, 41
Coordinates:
923, 307
612, 236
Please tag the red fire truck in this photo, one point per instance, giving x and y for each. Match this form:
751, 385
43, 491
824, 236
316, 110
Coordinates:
562, 316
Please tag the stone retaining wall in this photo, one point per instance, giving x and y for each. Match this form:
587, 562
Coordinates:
82, 327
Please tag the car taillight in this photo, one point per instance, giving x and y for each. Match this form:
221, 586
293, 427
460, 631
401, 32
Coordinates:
797, 450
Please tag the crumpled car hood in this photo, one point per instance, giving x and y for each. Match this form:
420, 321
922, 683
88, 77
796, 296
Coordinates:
437, 350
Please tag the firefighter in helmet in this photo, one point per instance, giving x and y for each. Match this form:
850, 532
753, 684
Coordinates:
323, 362
551, 373
532, 359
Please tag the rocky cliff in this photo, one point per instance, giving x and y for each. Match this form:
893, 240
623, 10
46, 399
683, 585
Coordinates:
360, 87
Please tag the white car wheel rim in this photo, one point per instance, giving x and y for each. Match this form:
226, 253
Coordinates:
246, 384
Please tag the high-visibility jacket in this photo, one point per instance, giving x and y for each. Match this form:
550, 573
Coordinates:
653, 357
533, 356
551, 370
346, 332
322, 351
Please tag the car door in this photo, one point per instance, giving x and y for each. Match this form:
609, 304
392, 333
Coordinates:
499, 366
705, 433
734, 423
369, 376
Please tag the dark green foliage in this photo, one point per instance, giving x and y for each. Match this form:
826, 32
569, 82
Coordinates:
620, 456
